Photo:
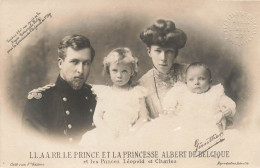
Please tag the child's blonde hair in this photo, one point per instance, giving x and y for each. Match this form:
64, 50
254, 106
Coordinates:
121, 55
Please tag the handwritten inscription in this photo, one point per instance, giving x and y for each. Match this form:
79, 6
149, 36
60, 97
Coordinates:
210, 142
24, 31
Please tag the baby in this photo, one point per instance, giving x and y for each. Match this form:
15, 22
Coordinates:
196, 112
199, 102
121, 107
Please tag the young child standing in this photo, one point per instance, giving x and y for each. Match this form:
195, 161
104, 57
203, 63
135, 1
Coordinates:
121, 107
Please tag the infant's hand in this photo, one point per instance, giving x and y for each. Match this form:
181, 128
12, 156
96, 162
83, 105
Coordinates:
221, 121
218, 117
222, 124
227, 112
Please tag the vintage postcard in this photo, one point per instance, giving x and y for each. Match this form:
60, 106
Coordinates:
130, 83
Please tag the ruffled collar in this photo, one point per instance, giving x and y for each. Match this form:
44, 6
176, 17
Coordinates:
214, 90
169, 78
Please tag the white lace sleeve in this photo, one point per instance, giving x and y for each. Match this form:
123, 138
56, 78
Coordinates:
170, 100
98, 115
100, 91
227, 103
217, 90
140, 91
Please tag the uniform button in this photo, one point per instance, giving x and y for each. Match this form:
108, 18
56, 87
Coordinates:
68, 112
69, 126
86, 97
65, 132
70, 139
64, 99
91, 110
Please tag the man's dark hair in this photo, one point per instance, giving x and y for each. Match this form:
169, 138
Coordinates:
76, 42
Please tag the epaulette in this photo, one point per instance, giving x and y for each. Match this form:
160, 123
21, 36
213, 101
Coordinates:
90, 87
87, 86
36, 93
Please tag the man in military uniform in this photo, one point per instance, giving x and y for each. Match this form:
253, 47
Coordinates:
64, 110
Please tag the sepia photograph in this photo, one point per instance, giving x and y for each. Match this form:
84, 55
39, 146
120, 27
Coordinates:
130, 83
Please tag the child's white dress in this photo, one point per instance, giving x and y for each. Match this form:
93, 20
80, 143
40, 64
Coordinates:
115, 115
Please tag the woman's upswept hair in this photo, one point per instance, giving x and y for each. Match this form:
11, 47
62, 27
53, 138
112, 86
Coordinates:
165, 34
121, 55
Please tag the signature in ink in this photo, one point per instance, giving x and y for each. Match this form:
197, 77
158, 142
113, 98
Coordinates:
209, 142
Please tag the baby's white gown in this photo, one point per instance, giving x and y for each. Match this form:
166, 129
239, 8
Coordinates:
116, 112
194, 118
198, 111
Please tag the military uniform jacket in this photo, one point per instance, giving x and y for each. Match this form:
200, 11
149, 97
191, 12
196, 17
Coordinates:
152, 81
59, 111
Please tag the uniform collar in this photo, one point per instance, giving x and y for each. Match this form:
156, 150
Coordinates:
64, 87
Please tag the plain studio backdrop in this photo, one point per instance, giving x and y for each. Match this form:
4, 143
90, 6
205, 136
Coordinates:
114, 23
108, 25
